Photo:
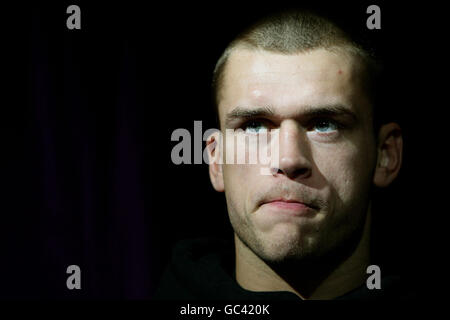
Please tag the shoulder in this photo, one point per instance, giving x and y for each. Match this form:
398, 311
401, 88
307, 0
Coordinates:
195, 268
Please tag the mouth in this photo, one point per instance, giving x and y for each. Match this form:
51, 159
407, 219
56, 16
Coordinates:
289, 205
285, 201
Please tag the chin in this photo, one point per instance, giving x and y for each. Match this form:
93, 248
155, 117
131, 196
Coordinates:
288, 247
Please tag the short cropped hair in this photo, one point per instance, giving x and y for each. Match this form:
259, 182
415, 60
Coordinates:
297, 31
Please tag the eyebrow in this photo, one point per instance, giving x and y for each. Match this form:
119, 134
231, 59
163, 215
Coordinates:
247, 113
333, 110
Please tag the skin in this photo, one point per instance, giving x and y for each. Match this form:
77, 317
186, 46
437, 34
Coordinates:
328, 167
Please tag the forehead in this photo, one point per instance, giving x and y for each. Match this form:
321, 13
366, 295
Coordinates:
290, 82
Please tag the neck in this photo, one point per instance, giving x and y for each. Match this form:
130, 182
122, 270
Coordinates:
325, 280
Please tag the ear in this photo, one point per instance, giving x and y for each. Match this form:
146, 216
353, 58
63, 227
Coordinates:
214, 146
390, 150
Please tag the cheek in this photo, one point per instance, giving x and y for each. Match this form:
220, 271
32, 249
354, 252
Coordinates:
238, 183
347, 170
240, 177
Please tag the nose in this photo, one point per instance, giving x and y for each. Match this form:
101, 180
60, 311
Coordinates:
294, 152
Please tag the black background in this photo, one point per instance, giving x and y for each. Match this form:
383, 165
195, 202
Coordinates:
87, 117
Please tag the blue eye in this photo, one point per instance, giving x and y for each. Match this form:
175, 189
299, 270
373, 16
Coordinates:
325, 126
254, 127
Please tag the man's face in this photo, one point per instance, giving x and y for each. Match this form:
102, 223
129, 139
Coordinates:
327, 151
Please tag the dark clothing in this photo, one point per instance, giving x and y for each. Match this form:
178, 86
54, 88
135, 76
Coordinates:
203, 269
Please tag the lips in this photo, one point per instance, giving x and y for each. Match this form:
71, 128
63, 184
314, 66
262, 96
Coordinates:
287, 208
289, 203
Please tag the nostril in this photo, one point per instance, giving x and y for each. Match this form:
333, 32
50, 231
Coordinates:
302, 172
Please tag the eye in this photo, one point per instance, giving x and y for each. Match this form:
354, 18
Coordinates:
254, 126
325, 125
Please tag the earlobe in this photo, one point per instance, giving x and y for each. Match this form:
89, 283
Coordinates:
213, 145
390, 151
